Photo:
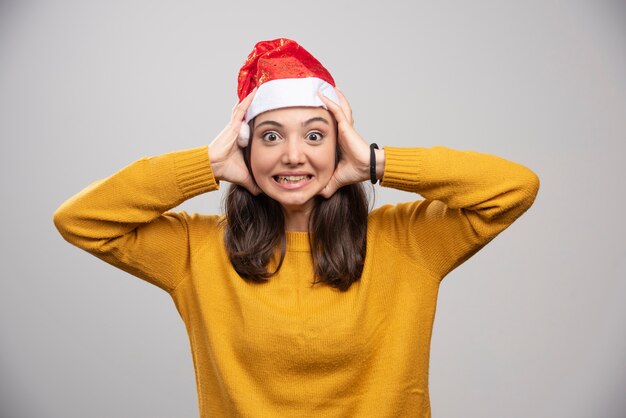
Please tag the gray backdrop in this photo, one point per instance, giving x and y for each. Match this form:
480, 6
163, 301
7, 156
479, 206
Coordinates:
533, 326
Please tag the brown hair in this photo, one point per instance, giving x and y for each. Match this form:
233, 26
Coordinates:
255, 229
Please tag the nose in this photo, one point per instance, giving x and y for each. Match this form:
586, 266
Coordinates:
294, 152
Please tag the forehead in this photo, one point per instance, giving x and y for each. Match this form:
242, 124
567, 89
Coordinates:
294, 114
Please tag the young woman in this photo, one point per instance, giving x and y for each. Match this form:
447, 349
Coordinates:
297, 301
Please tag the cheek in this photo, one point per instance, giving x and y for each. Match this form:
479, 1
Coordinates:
261, 161
326, 160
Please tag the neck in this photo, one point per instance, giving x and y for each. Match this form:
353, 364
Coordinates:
297, 219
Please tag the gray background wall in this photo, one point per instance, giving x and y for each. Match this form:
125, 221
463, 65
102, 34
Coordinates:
533, 326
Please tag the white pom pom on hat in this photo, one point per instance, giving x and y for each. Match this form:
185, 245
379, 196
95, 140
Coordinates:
244, 135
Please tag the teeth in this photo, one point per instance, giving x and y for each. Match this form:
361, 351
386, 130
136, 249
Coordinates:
290, 179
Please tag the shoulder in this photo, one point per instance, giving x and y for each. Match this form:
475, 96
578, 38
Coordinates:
408, 222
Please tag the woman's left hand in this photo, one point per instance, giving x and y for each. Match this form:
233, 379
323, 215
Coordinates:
354, 165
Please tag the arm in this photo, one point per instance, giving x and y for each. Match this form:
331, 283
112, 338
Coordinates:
123, 219
470, 198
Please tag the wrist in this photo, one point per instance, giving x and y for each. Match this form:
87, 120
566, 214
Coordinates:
376, 167
216, 166
380, 163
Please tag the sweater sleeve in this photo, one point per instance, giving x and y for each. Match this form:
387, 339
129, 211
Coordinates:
470, 198
124, 219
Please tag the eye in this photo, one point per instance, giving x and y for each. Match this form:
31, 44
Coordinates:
315, 136
270, 136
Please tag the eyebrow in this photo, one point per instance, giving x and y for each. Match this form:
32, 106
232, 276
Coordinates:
274, 123
315, 119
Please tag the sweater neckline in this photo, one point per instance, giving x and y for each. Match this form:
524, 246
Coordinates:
297, 241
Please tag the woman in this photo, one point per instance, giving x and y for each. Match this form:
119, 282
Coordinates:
298, 302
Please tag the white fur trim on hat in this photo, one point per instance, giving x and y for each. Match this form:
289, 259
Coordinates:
289, 92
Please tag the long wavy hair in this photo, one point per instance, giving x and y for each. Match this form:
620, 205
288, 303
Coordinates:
255, 232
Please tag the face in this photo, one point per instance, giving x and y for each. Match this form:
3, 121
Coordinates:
292, 154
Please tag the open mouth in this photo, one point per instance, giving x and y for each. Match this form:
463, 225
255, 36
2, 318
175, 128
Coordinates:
291, 179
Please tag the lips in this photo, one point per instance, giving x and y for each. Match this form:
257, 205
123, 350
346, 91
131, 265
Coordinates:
292, 179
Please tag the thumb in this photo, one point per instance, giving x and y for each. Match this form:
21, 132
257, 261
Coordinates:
330, 188
251, 187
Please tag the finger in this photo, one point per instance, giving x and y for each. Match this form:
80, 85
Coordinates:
343, 102
335, 109
240, 108
243, 134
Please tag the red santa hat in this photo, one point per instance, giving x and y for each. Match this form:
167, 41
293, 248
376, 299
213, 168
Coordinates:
286, 75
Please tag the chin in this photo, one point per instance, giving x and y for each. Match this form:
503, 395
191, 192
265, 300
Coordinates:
295, 204
294, 200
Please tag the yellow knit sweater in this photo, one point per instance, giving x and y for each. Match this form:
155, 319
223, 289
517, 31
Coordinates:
284, 348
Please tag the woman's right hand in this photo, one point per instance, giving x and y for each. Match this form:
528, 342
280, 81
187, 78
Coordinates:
226, 154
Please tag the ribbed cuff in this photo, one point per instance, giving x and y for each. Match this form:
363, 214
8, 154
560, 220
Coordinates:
402, 168
193, 172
